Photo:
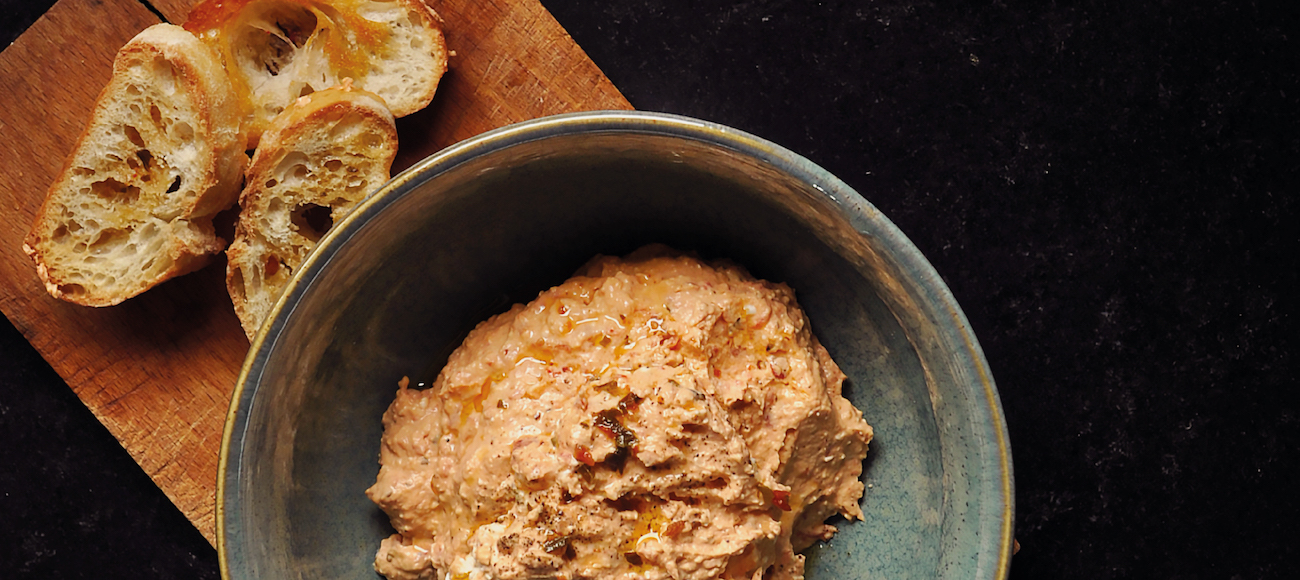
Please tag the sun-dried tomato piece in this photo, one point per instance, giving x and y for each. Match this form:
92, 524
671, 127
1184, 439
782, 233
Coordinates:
583, 454
781, 499
608, 423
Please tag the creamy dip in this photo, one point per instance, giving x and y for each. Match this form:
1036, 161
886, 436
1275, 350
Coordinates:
652, 417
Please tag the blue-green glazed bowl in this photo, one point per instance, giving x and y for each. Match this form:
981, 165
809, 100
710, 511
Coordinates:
393, 288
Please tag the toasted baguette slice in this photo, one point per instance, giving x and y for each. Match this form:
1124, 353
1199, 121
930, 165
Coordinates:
161, 155
316, 162
279, 50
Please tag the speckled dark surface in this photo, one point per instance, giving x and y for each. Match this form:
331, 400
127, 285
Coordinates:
1108, 188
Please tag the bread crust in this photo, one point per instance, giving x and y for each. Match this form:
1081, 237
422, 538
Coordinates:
109, 227
316, 162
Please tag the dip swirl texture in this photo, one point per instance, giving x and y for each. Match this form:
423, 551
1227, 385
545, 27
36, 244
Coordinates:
652, 417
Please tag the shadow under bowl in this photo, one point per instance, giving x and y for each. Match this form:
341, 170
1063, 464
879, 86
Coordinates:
395, 287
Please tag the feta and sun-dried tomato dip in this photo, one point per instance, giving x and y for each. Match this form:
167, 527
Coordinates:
652, 417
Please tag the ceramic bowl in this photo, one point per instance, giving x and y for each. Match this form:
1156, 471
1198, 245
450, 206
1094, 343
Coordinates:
494, 220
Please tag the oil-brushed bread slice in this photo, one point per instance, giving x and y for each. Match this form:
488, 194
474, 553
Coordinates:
161, 154
279, 50
316, 162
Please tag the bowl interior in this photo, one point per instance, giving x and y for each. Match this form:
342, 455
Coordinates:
494, 221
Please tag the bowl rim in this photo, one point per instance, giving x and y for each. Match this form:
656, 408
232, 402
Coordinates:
840, 193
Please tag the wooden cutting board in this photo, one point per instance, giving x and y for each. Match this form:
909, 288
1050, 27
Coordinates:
158, 369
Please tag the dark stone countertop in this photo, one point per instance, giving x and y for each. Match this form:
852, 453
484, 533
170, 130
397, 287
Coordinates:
1108, 188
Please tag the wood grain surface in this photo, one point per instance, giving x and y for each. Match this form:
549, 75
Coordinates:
158, 369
